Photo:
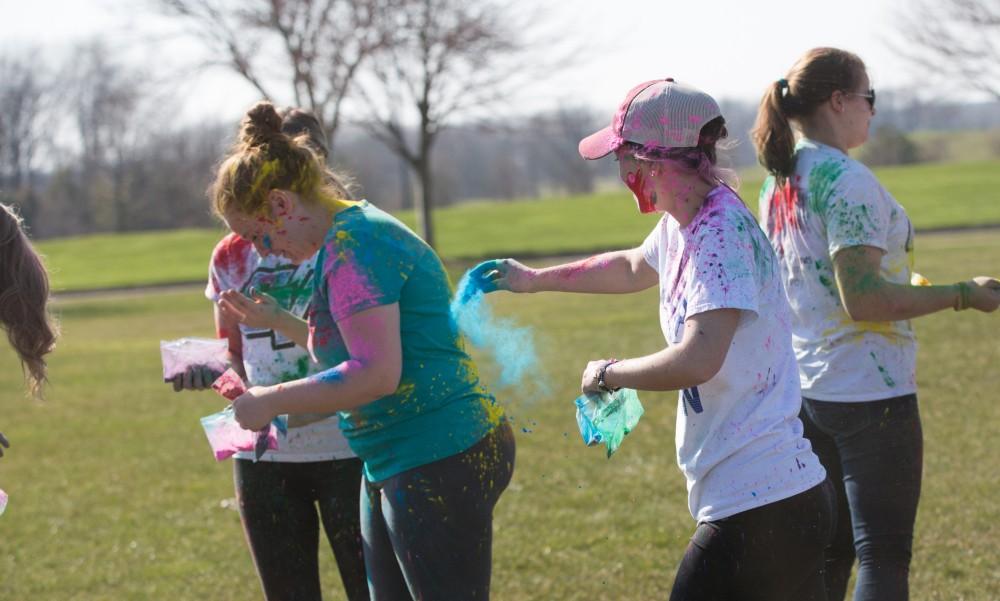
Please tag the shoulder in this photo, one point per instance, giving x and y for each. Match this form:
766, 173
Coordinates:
231, 251
366, 227
722, 211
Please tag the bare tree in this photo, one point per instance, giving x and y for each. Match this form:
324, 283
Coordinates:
22, 98
104, 105
450, 58
954, 37
308, 50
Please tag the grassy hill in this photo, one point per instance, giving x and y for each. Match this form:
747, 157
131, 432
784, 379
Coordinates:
935, 195
114, 493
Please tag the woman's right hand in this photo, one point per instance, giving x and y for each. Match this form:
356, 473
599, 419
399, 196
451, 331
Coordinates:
503, 274
258, 310
984, 294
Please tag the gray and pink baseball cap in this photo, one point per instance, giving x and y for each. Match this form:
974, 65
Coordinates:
660, 114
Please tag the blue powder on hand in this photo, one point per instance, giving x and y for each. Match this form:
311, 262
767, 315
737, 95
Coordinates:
512, 346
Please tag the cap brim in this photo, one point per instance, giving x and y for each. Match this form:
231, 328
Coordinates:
599, 144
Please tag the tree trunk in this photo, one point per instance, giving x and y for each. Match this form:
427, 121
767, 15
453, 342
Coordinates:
425, 200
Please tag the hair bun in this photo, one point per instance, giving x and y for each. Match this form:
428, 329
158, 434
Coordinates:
261, 125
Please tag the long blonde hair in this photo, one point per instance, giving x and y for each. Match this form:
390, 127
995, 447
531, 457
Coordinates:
24, 296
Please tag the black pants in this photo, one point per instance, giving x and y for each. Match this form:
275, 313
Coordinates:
769, 553
278, 504
873, 452
428, 532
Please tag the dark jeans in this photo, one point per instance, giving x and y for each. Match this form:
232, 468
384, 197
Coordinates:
873, 451
278, 503
428, 532
769, 553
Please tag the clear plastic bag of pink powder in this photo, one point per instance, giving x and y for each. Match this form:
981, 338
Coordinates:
227, 437
180, 354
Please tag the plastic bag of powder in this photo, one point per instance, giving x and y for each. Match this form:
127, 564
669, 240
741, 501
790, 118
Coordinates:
182, 353
607, 418
226, 437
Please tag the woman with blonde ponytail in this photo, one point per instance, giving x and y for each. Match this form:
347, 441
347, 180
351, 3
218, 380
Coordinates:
845, 249
436, 449
24, 297
310, 482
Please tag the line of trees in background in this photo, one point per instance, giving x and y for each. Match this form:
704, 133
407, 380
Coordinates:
407, 90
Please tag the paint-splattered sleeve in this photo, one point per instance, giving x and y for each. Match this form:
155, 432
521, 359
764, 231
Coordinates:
230, 266
367, 266
857, 213
651, 245
725, 263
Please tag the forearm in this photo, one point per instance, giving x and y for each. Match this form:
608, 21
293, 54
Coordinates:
673, 368
292, 327
609, 273
346, 386
886, 301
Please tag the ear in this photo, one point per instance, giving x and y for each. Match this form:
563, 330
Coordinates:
837, 100
280, 202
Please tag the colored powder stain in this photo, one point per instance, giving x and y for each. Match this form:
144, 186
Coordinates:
300, 370
328, 376
885, 375
266, 241
822, 184
636, 182
783, 212
494, 412
512, 347
828, 284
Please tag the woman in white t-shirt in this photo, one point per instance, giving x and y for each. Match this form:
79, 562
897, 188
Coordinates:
844, 247
759, 494
311, 481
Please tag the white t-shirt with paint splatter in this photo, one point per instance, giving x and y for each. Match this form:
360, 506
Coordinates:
739, 439
268, 357
833, 202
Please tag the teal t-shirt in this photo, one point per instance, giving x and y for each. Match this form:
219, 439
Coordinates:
440, 408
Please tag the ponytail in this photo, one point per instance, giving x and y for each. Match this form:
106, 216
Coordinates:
772, 133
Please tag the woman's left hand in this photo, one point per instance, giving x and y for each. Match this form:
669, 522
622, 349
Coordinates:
590, 375
253, 410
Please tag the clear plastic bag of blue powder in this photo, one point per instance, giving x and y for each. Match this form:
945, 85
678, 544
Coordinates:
607, 418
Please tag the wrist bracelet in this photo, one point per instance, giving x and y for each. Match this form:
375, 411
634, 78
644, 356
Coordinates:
600, 377
963, 301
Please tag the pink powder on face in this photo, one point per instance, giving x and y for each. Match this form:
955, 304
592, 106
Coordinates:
636, 182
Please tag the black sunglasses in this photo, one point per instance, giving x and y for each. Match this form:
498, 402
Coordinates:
870, 97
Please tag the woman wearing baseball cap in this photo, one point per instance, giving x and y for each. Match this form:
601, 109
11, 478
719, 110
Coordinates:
844, 248
760, 496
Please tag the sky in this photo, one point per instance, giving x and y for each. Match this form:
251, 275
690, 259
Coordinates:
729, 48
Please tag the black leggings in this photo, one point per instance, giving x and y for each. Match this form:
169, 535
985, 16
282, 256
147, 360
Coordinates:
769, 553
278, 502
428, 532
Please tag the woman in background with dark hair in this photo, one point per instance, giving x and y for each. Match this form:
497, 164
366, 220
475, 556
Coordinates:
759, 494
24, 298
845, 249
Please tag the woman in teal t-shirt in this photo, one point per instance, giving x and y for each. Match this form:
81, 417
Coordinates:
437, 450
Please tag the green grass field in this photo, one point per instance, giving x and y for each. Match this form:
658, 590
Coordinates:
114, 494
945, 195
